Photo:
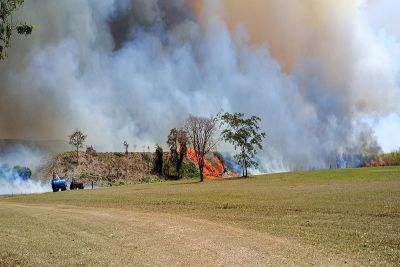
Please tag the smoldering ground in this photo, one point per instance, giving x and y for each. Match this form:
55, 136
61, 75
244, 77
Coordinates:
133, 69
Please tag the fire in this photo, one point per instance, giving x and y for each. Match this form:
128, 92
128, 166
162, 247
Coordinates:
210, 171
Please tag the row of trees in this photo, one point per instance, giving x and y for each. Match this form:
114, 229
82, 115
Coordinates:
201, 134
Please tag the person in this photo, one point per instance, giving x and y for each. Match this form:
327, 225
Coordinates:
55, 176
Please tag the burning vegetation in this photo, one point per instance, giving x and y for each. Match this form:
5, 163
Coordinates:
191, 155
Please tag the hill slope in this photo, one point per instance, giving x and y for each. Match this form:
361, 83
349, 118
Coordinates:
104, 167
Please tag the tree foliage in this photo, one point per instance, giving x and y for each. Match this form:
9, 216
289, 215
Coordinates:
177, 142
77, 139
244, 133
7, 25
201, 135
158, 165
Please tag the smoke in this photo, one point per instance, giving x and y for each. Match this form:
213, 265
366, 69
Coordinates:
14, 182
18, 186
132, 69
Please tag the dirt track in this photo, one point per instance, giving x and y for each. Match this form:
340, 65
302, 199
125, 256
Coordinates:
65, 235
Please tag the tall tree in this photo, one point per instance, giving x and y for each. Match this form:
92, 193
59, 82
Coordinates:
7, 26
77, 139
177, 142
158, 164
201, 134
244, 133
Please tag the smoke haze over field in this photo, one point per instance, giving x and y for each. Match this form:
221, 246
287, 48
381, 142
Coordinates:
316, 72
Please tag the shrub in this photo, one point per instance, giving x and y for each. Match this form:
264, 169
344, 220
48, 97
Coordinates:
158, 162
190, 170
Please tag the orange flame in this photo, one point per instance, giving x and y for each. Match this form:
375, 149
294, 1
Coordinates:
210, 171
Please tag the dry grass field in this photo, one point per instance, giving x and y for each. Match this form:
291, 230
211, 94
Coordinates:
347, 217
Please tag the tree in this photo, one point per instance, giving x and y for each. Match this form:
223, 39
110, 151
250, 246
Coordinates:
126, 145
244, 134
7, 7
158, 165
77, 139
201, 134
177, 142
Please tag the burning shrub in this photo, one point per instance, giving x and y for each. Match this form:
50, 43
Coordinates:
386, 159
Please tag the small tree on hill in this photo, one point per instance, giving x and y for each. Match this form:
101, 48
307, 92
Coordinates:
77, 139
126, 145
7, 7
177, 142
201, 134
244, 134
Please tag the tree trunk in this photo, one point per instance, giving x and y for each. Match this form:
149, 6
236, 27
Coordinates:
77, 156
201, 173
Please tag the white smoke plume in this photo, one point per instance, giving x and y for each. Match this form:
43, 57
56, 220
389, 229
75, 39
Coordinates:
11, 183
19, 186
133, 69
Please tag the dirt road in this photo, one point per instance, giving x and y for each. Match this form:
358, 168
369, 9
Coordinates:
44, 235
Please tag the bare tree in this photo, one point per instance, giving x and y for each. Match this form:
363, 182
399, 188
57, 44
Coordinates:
126, 145
77, 139
201, 133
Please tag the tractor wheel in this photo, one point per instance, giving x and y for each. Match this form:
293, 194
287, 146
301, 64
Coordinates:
63, 188
81, 187
55, 190
72, 187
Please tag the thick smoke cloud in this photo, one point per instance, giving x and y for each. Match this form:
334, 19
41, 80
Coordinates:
133, 69
11, 181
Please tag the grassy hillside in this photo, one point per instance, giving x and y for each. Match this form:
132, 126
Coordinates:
105, 168
352, 212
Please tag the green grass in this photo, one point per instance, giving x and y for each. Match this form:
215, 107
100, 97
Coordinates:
352, 211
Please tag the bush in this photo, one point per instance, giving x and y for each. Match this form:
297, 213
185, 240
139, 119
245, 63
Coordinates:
190, 170
23, 172
120, 183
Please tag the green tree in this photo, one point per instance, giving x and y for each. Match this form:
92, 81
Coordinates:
177, 142
77, 139
7, 26
158, 165
201, 134
245, 135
